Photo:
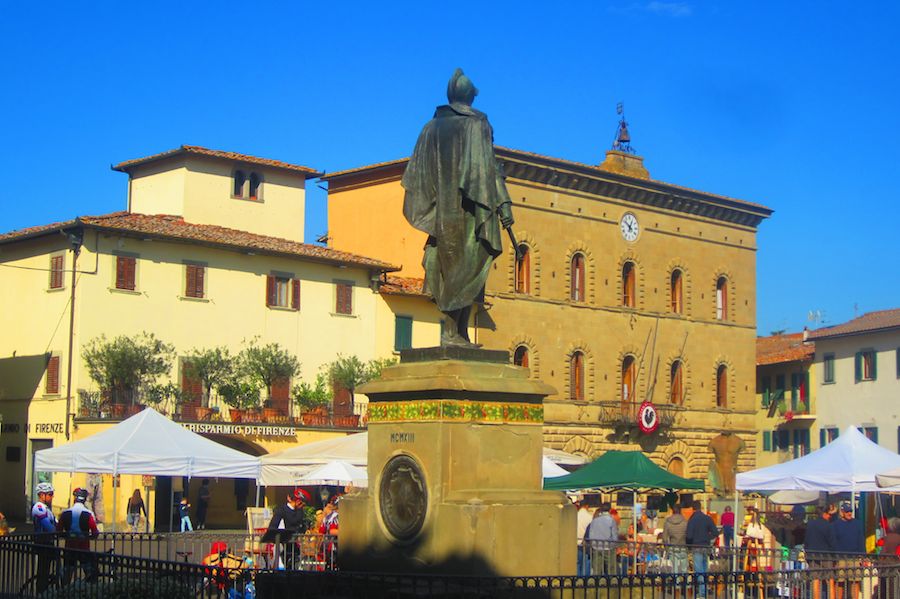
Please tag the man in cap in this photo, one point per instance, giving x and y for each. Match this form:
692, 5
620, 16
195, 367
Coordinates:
44, 532
455, 193
288, 520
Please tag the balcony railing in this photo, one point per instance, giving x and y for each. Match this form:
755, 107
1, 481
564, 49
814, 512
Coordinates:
624, 414
92, 406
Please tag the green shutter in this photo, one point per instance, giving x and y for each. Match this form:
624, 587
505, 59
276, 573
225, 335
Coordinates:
857, 367
766, 391
873, 434
795, 387
822, 438
874, 364
402, 332
767, 440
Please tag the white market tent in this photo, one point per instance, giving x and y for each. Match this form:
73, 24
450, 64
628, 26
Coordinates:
849, 463
887, 480
288, 466
549, 469
336, 473
148, 443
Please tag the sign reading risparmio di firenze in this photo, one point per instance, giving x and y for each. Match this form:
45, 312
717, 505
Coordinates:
247, 430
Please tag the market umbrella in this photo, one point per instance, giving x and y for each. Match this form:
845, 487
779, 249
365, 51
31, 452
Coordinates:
337, 473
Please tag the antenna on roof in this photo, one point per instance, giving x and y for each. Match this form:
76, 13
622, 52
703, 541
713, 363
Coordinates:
816, 317
622, 140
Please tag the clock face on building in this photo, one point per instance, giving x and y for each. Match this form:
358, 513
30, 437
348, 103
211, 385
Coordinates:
629, 226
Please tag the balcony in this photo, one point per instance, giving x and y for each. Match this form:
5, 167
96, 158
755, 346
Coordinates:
92, 406
787, 408
623, 415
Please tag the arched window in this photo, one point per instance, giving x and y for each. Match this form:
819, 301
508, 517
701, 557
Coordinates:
576, 288
576, 376
676, 383
722, 386
628, 379
254, 186
628, 285
520, 357
676, 467
523, 270
676, 296
722, 299
238, 188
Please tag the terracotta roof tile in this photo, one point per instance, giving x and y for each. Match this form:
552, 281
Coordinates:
201, 151
867, 323
175, 228
777, 349
403, 286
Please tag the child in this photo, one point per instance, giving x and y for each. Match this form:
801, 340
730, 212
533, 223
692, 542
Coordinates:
184, 509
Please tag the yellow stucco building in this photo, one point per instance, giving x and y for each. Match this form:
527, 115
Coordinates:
629, 289
208, 254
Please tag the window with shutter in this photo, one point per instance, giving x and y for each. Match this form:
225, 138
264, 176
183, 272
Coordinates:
676, 378
822, 441
676, 298
871, 433
279, 291
295, 294
628, 379
52, 383
523, 270
57, 264
576, 376
828, 368
765, 385
722, 386
402, 332
767, 441
722, 299
194, 284
865, 365
520, 356
125, 271
576, 290
628, 285
343, 298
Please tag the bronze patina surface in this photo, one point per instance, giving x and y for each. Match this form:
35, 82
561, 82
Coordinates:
456, 194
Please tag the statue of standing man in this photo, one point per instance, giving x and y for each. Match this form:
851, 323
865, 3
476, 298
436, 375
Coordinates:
455, 193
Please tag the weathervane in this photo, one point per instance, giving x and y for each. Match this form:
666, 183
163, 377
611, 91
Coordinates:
622, 141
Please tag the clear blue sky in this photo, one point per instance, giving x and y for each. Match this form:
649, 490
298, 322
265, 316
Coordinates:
790, 104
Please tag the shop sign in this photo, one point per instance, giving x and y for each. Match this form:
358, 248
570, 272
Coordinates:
246, 430
38, 428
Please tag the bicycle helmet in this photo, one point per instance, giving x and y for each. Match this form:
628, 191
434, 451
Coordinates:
44, 488
302, 494
80, 494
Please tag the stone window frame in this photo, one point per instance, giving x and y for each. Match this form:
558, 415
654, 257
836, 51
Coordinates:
588, 371
534, 360
638, 282
730, 295
685, 380
729, 384
534, 265
589, 273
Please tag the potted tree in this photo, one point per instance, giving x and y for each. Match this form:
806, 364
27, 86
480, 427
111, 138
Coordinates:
266, 365
162, 397
88, 404
121, 365
240, 395
210, 367
348, 373
312, 401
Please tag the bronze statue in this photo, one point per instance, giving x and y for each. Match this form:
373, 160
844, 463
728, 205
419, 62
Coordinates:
455, 193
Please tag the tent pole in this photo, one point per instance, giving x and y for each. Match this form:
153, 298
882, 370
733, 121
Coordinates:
257, 492
171, 500
634, 524
114, 512
734, 551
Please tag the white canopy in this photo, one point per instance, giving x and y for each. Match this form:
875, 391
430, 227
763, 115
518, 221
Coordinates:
889, 479
288, 466
335, 473
148, 443
848, 463
550, 469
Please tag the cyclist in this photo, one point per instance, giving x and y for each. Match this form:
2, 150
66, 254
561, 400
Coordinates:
44, 532
79, 527
287, 520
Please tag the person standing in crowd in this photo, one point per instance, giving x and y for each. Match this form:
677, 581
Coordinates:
44, 532
184, 510
329, 532
890, 552
849, 540
602, 534
582, 520
78, 526
134, 509
820, 545
202, 504
288, 520
700, 534
728, 525
675, 539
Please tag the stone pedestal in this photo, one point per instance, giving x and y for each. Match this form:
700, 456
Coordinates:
455, 447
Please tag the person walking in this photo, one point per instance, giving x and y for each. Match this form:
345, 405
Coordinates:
133, 510
728, 526
675, 538
203, 504
699, 535
184, 510
602, 534
287, 520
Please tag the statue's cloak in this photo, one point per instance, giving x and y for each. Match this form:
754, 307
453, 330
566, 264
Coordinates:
453, 189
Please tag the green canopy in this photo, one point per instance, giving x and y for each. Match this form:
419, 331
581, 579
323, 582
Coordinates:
621, 470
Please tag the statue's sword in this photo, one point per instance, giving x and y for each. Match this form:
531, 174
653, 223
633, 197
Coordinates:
515, 244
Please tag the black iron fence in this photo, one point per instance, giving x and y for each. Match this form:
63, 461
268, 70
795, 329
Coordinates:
121, 565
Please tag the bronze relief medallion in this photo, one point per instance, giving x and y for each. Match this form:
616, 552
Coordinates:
403, 497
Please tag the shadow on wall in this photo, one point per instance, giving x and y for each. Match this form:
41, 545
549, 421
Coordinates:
20, 376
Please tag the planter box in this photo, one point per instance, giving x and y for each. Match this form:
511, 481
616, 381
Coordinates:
346, 421
237, 414
314, 419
